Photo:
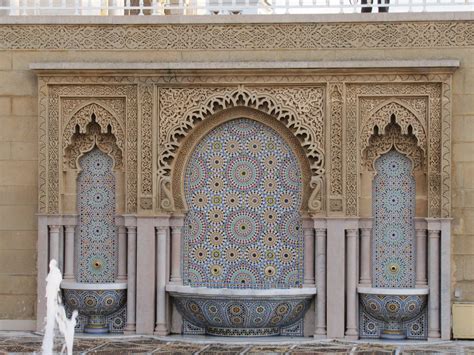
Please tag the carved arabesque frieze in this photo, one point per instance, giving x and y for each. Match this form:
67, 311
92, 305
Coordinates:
301, 109
146, 97
84, 142
392, 137
336, 111
239, 36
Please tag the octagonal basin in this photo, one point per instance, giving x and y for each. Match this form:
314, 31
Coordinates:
393, 306
96, 301
241, 312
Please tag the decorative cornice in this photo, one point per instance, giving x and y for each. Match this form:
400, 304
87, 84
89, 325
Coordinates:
239, 36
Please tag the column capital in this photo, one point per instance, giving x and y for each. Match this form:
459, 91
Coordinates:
55, 228
352, 232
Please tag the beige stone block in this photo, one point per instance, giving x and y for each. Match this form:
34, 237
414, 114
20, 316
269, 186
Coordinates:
5, 151
19, 217
365, 207
469, 82
18, 83
24, 105
18, 240
463, 129
458, 198
421, 207
463, 244
5, 105
17, 284
19, 129
467, 290
458, 269
18, 173
468, 215
468, 175
458, 221
5, 60
468, 267
18, 195
463, 104
458, 175
463, 152
17, 306
458, 81
468, 199
18, 262
24, 150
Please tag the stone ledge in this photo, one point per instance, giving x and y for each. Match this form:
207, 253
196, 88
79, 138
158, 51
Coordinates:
350, 64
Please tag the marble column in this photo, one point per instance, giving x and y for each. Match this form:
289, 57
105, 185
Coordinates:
42, 269
122, 254
445, 281
131, 279
309, 264
351, 284
54, 242
365, 256
434, 284
320, 329
161, 328
69, 262
420, 235
176, 242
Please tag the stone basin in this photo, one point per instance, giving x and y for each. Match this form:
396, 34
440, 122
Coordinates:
241, 312
96, 301
394, 306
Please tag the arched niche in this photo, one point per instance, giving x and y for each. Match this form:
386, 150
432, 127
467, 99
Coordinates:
204, 127
393, 126
91, 127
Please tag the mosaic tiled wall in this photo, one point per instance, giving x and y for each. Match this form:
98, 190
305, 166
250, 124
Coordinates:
394, 212
96, 206
243, 229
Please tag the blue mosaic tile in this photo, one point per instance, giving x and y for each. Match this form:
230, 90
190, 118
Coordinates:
243, 229
97, 247
394, 212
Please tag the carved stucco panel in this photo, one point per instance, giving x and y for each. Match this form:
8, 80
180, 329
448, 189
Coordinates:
357, 116
58, 103
301, 109
146, 100
244, 36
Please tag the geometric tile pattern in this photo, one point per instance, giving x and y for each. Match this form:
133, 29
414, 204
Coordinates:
243, 228
244, 316
394, 212
390, 315
96, 245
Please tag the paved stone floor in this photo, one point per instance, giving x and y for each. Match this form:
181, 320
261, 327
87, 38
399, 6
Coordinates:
29, 343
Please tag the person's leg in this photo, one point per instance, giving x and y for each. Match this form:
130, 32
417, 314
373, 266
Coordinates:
366, 8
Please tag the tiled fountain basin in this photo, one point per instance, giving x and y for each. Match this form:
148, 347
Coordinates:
393, 306
241, 312
96, 301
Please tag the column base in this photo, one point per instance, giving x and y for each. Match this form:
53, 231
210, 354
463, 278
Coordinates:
351, 334
130, 329
161, 330
433, 336
320, 334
